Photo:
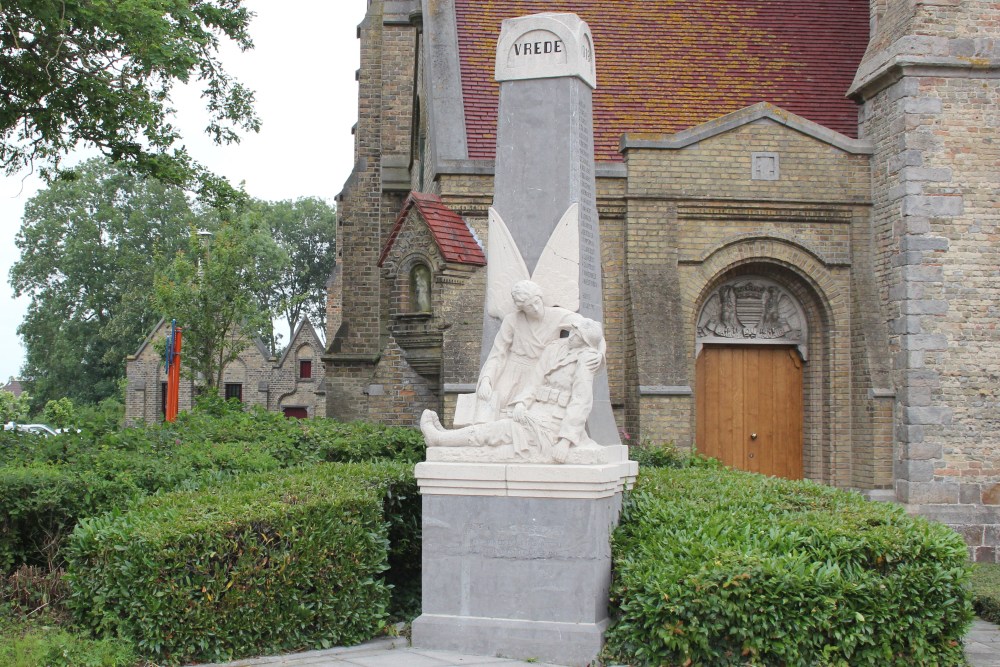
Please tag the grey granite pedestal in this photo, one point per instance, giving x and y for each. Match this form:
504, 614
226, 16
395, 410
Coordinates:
517, 558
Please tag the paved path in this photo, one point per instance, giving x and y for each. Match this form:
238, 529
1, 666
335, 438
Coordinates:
982, 648
385, 652
982, 644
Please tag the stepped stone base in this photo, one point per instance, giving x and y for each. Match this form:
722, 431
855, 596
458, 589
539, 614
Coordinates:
517, 558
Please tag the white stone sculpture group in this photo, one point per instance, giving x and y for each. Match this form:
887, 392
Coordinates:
535, 390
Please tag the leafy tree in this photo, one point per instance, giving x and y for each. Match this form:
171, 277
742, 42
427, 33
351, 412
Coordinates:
101, 73
59, 412
89, 248
13, 408
211, 288
305, 229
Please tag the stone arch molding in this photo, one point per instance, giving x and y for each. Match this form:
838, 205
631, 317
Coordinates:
800, 261
404, 264
751, 310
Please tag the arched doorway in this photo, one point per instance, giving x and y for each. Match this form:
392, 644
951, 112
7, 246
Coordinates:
750, 350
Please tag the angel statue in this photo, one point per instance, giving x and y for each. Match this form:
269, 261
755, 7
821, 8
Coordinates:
548, 415
518, 346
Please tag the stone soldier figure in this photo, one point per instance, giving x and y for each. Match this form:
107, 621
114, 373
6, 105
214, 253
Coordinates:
549, 412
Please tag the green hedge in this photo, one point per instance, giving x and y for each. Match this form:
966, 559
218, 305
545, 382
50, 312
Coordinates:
262, 564
986, 591
204, 433
40, 504
719, 567
47, 484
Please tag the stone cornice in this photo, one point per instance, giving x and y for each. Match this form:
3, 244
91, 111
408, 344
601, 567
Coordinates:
761, 110
772, 212
397, 12
920, 55
525, 480
444, 167
477, 206
347, 358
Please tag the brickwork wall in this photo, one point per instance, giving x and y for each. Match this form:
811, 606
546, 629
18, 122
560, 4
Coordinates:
414, 246
367, 212
893, 19
612, 230
873, 396
810, 171
334, 300
286, 388
398, 393
360, 209
936, 221
463, 289
396, 117
265, 382
347, 383
936, 264
954, 19
251, 369
667, 419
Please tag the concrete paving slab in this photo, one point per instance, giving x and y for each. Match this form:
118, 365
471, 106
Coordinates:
982, 649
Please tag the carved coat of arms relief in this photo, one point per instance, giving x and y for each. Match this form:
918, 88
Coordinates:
749, 311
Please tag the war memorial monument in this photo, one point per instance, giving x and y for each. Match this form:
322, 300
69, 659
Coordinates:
521, 495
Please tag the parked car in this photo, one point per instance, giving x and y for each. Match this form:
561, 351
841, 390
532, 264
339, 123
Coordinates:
37, 429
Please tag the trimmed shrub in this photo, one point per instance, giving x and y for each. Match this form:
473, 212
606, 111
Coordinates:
47, 484
986, 591
719, 567
666, 455
265, 563
40, 505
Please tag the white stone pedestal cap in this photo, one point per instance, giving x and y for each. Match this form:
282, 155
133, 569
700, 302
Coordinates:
525, 480
545, 46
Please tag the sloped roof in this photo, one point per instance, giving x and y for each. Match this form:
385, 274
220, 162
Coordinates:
14, 387
162, 324
452, 236
151, 336
667, 65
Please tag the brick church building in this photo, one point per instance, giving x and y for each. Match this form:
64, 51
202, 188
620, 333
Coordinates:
799, 213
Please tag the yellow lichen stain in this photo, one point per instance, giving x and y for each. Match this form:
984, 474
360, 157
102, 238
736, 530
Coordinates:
978, 63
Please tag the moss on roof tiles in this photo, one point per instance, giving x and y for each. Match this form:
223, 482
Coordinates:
666, 65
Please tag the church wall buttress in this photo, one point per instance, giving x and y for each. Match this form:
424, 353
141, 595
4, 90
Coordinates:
369, 203
932, 109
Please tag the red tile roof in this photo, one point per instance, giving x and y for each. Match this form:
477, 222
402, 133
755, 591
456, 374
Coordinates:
667, 65
452, 235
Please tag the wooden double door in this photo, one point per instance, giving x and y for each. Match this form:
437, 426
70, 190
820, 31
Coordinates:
749, 407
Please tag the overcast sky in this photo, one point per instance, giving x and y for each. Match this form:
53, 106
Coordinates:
302, 69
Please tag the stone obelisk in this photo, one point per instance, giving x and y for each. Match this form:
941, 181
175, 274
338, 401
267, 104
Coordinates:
545, 171
516, 555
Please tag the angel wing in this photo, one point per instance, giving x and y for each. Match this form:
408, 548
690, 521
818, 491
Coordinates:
558, 268
504, 267
557, 271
